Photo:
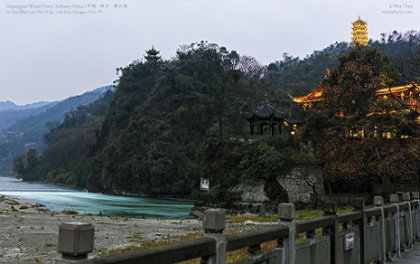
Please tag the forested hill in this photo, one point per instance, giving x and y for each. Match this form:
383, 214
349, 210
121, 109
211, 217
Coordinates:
300, 76
24, 129
68, 145
10, 116
35, 126
167, 117
159, 117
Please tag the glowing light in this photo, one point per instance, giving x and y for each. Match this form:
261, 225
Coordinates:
359, 37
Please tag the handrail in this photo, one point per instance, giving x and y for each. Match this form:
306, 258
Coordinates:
373, 212
404, 206
176, 252
237, 241
347, 217
212, 247
390, 209
312, 224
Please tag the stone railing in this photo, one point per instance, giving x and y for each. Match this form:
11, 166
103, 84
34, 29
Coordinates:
362, 236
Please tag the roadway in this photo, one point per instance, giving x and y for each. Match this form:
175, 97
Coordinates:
410, 257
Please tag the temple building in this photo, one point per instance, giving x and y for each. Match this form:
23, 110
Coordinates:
408, 95
267, 119
359, 36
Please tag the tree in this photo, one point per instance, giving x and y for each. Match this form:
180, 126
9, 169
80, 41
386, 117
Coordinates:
18, 165
250, 67
350, 89
351, 117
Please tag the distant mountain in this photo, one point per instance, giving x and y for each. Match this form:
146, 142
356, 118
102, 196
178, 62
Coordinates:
35, 126
12, 115
25, 128
8, 105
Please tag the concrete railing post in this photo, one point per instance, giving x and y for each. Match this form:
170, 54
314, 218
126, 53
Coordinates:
378, 201
359, 205
416, 197
286, 212
406, 199
393, 199
75, 242
330, 209
214, 222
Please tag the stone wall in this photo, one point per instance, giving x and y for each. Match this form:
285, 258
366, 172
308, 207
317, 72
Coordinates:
251, 192
300, 184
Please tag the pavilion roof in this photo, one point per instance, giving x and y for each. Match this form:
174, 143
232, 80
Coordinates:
265, 111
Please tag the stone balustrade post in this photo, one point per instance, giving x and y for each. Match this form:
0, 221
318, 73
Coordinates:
394, 200
406, 199
286, 213
75, 242
214, 222
330, 209
378, 201
359, 205
416, 197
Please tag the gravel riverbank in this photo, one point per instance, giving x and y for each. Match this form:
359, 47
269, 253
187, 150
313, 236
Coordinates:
29, 232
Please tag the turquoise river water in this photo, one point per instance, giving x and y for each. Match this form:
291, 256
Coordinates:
58, 198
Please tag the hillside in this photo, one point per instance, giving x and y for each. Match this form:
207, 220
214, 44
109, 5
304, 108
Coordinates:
172, 122
159, 117
299, 76
29, 132
71, 141
36, 126
10, 116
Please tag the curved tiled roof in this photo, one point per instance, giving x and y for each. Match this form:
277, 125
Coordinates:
265, 111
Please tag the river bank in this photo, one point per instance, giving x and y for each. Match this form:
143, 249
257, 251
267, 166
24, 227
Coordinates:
29, 231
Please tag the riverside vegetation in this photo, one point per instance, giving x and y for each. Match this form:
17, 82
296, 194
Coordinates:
171, 122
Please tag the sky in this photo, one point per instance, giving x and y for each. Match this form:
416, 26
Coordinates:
54, 49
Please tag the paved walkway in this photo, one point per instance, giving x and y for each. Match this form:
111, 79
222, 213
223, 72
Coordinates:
410, 257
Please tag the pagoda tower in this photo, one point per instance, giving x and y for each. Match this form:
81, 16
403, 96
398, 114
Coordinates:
359, 37
152, 54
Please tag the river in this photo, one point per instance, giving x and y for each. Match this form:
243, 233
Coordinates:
57, 198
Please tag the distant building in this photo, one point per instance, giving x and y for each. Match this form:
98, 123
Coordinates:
152, 54
359, 36
408, 96
266, 119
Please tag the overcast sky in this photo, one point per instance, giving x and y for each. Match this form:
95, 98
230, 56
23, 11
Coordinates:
55, 49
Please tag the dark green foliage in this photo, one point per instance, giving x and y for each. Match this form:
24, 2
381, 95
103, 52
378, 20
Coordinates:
229, 162
68, 144
403, 49
27, 166
267, 158
160, 115
300, 76
171, 122
350, 106
352, 85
